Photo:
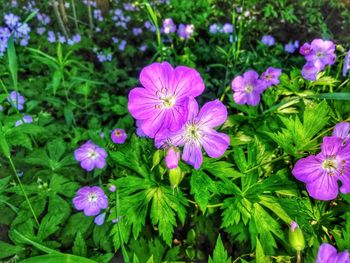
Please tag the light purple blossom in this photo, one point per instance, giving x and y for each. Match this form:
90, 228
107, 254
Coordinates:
214, 29
322, 53
61, 39
26, 119
290, 47
247, 88
43, 18
346, 64
322, 172
293, 225
1, 108
305, 49
129, 7
162, 102
137, 31
112, 188
51, 37
268, 40
309, 71
329, 254
98, 15
41, 30
150, 26
342, 131
227, 28
100, 219
169, 26
16, 100
91, 200
271, 76
185, 31
143, 48
172, 158
11, 20
122, 45
118, 136
198, 131
90, 156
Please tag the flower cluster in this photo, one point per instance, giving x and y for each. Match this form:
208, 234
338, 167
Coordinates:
322, 172
268, 40
183, 31
166, 110
216, 28
248, 88
318, 54
291, 47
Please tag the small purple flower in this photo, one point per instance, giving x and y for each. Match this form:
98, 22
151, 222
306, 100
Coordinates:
98, 15
122, 45
16, 100
61, 39
214, 29
198, 132
185, 31
227, 28
41, 30
305, 49
247, 89
90, 156
51, 37
268, 40
100, 219
137, 31
118, 136
342, 131
91, 200
322, 172
290, 47
322, 53
143, 48
5, 33
172, 158
169, 26
162, 103
346, 64
293, 225
11, 20
309, 71
26, 119
296, 44
112, 188
329, 254
271, 76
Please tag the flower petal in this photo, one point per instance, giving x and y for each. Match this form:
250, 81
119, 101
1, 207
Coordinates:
324, 188
156, 76
331, 145
342, 130
142, 103
326, 253
215, 143
192, 154
212, 114
308, 169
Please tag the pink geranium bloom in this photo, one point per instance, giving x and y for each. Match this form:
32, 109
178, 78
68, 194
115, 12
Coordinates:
162, 101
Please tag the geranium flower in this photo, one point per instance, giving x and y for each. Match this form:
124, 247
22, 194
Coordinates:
172, 158
90, 156
16, 100
198, 132
91, 200
321, 54
169, 26
118, 136
309, 71
163, 100
247, 89
271, 76
268, 40
322, 172
342, 131
26, 119
329, 254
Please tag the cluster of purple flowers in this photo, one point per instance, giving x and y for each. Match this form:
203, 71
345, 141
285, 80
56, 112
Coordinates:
120, 19
248, 88
98, 15
183, 31
318, 54
52, 38
166, 110
216, 28
322, 172
291, 47
16, 100
268, 40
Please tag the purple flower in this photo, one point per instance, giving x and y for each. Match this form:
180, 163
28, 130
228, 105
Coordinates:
61, 39
90, 156
185, 31
41, 30
227, 28
112, 188
91, 200
172, 158
118, 136
11, 20
143, 48
329, 254
342, 131
98, 15
322, 53
162, 102
305, 49
169, 26
296, 44
198, 132
268, 40
322, 172
139, 131
51, 37
100, 219
293, 225
137, 31
271, 76
16, 100
247, 89
122, 45
150, 26
5, 33
309, 71
290, 47
346, 64
43, 18
26, 119
214, 29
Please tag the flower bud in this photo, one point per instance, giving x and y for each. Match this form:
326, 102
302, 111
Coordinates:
296, 237
172, 158
175, 177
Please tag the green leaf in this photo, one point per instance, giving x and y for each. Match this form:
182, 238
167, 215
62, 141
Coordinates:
7, 250
220, 254
12, 59
259, 253
56, 81
4, 146
77, 222
62, 258
201, 186
332, 96
79, 246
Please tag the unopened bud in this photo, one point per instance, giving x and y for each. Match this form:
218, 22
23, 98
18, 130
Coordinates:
296, 237
175, 177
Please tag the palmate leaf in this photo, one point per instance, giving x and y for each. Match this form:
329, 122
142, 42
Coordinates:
220, 254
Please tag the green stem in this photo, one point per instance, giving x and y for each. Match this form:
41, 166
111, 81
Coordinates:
90, 17
298, 256
23, 191
125, 254
75, 16
59, 19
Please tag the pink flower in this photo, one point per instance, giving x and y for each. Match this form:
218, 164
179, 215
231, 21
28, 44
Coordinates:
118, 136
91, 200
90, 156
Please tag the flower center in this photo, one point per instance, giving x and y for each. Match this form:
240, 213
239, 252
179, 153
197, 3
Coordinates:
118, 133
92, 197
319, 54
168, 102
331, 165
167, 99
93, 154
192, 132
249, 88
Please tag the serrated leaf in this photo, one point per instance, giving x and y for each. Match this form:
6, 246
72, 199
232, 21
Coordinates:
7, 250
220, 254
79, 245
259, 253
